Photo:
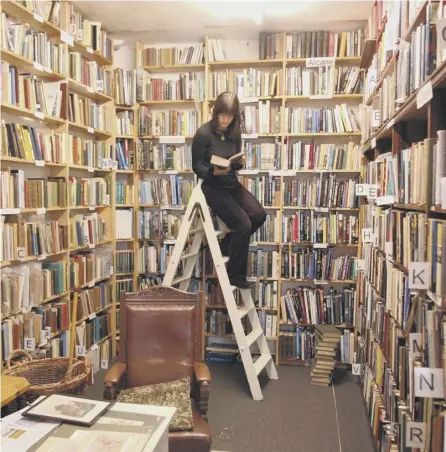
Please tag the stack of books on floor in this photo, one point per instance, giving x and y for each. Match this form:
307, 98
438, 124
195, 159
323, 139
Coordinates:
327, 341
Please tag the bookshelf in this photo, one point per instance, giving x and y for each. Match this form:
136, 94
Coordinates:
277, 141
57, 185
400, 325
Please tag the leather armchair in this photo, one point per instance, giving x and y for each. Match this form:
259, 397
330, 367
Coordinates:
161, 341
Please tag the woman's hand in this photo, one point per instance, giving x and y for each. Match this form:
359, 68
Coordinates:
242, 160
221, 172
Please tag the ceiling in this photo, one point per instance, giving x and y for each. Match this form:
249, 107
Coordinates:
188, 21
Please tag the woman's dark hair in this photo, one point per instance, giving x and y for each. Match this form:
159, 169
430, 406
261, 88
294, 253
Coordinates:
228, 103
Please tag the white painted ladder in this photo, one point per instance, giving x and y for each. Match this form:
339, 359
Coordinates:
198, 208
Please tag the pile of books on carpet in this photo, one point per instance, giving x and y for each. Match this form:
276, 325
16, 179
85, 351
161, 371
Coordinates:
327, 341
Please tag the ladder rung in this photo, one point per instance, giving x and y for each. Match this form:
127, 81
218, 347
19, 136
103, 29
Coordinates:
261, 362
179, 280
244, 310
225, 259
187, 256
220, 233
195, 230
253, 336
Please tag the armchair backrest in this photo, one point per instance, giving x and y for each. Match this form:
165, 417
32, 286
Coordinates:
161, 330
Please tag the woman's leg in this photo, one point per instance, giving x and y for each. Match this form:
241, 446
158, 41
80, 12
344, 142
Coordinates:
248, 202
231, 213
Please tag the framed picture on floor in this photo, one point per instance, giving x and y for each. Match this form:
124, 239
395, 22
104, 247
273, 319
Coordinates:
70, 409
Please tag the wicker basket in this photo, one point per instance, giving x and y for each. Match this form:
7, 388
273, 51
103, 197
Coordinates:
49, 375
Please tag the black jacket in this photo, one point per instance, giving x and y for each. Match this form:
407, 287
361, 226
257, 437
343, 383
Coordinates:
208, 142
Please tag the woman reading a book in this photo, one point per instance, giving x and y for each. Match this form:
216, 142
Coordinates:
216, 156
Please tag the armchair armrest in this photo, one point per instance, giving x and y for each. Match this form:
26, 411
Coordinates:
112, 379
202, 387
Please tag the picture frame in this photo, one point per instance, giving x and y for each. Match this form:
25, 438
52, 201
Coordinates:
69, 409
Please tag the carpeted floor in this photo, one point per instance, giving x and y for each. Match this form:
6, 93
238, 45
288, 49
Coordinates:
294, 416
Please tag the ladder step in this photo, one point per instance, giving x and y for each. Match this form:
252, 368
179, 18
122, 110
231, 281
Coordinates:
179, 280
195, 230
225, 259
261, 362
187, 256
220, 233
245, 310
253, 336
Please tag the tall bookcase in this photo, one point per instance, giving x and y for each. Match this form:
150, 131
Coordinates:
86, 212
401, 321
276, 172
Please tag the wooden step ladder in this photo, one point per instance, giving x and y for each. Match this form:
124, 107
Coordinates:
198, 222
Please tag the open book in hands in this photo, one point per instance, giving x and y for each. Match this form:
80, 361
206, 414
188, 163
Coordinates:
223, 163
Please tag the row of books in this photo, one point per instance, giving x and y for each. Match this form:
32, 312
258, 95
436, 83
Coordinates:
163, 157
156, 123
319, 43
339, 119
92, 331
125, 87
176, 190
21, 39
28, 331
261, 118
266, 189
247, 83
125, 123
88, 267
124, 192
265, 156
84, 111
416, 52
93, 300
29, 143
18, 192
124, 261
89, 153
264, 294
322, 156
27, 286
185, 86
307, 305
125, 154
315, 228
32, 237
124, 285
406, 177
321, 191
87, 230
300, 344
317, 264
152, 56
28, 91
90, 74
324, 81
261, 156
89, 33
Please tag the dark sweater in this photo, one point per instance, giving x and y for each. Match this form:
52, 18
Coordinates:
208, 142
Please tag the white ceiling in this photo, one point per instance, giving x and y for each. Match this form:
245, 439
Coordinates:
177, 21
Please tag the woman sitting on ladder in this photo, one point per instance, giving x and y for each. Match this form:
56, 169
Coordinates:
225, 195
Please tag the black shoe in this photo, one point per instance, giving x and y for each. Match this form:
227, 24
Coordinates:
241, 283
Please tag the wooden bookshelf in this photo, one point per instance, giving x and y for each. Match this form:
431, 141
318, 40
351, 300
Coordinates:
283, 100
407, 130
45, 169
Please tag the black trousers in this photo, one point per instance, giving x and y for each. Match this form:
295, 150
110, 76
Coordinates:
243, 214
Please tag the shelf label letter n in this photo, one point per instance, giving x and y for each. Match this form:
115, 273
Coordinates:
429, 382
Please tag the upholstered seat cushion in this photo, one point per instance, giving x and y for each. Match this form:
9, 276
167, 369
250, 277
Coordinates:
172, 393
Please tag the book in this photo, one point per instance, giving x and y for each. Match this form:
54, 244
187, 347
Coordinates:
223, 163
